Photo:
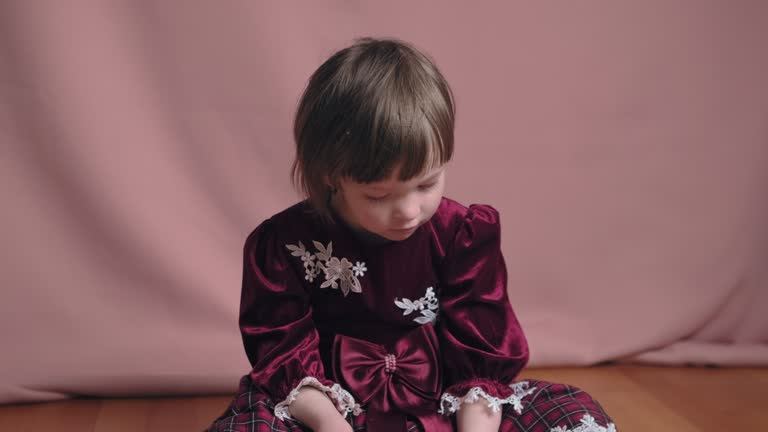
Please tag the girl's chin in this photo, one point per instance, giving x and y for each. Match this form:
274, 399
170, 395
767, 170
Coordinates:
396, 235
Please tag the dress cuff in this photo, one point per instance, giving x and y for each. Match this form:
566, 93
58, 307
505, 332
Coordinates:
450, 403
343, 400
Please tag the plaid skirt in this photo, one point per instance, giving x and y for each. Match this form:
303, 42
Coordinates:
550, 408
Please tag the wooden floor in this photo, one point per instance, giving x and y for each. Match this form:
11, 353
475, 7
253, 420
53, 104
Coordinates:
647, 399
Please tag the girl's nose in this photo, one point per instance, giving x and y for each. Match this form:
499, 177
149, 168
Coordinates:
407, 211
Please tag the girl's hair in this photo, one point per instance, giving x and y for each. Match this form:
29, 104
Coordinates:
370, 108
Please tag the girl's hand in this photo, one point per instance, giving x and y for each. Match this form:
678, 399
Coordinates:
313, 408
476, 417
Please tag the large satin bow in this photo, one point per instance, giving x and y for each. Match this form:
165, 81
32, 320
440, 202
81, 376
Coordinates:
406, 380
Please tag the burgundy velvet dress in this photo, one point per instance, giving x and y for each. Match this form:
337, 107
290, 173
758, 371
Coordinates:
399, 335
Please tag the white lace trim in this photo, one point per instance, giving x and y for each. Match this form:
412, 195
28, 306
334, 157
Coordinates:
343, 400
338, 272
426, 305
588, 424
453, 403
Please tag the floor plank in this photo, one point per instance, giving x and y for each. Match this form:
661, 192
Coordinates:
639, 398
61, 416
624, 400
714, 399
123, 415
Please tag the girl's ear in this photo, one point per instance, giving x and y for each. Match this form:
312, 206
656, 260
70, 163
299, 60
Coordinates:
333, 187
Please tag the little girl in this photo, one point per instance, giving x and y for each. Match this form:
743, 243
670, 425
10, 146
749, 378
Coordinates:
377, 304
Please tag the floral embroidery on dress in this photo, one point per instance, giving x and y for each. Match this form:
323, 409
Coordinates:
588, 424
338, 273
359, 268
427, 305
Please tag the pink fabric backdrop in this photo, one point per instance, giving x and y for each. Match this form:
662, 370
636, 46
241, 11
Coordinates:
626, 147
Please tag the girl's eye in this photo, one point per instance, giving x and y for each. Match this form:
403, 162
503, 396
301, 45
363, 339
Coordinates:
427, 186
376, 199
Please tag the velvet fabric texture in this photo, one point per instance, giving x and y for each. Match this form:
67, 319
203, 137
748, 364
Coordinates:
397, 324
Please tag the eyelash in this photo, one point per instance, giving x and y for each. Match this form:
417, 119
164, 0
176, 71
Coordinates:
427, 187
383, 198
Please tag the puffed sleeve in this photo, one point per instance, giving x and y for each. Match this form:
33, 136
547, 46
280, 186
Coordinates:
482, 343
276, 324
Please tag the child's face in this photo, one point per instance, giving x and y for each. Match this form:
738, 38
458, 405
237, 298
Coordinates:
391, 208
